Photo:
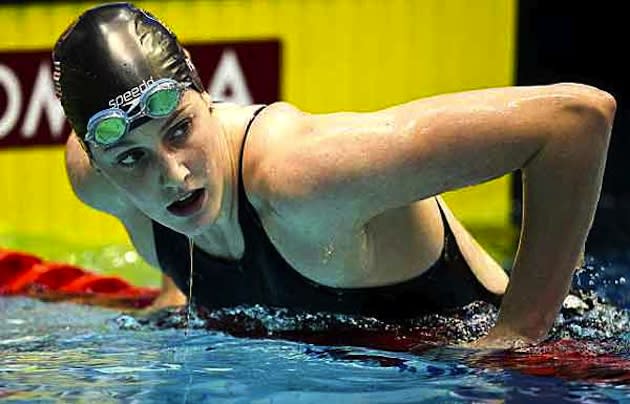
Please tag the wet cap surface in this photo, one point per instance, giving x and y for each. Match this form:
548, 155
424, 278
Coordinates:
109, 55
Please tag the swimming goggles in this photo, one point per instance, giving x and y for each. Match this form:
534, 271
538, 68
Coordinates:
159, 100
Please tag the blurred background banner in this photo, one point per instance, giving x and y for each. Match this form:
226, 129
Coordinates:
31, 114
322, 56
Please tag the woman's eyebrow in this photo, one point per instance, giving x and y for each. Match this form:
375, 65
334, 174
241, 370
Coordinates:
122, 143
173, 117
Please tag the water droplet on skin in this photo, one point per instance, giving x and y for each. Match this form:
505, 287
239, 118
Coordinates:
329, 250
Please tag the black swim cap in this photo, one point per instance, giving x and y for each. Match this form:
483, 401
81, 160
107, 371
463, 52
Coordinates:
112, 50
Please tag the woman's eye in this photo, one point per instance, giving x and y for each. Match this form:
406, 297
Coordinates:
179, 132
130, 158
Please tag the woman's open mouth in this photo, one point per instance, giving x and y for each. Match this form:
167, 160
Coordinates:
188, 203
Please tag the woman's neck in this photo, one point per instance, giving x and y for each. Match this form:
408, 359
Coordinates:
224, 238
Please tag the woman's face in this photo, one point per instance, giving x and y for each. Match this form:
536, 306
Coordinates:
173, 169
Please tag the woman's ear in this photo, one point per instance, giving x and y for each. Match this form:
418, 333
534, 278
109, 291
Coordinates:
207, 98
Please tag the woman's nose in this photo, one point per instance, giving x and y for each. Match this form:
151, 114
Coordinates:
173, 172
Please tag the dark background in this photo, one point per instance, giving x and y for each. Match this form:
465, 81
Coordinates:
586, 43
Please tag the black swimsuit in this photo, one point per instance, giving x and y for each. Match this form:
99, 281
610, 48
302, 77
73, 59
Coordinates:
262, 276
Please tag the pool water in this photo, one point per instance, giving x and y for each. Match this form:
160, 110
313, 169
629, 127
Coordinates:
62, 352
66, 352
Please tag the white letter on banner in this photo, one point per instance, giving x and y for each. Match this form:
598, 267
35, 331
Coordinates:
229, 75
43, 99
11, 84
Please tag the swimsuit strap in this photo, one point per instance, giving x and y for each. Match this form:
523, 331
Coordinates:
246, 212
241, 185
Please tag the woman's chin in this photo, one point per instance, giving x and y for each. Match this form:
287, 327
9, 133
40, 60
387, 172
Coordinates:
197, 225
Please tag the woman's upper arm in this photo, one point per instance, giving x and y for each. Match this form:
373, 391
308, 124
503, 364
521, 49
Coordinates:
140, 231
360, 164
95, 190
89, 185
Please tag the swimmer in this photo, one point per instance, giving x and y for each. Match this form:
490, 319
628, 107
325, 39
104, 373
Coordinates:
334, 212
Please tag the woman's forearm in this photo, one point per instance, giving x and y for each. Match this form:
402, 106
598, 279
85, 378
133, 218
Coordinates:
562, 184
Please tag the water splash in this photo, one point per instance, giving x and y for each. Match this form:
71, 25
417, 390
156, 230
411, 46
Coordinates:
594, 320
590, 339
589, 317
589, 342
607, 278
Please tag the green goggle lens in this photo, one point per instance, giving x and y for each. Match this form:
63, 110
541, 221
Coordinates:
160, 100
163, 102
109, 130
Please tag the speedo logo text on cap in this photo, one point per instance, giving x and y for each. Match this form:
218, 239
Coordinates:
130, 95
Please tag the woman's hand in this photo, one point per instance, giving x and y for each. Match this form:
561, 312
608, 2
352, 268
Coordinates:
170, 296
498, 339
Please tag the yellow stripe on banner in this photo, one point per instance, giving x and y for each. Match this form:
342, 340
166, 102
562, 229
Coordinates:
337, 55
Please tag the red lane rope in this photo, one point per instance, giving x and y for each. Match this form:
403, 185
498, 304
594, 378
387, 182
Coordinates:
24, 274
